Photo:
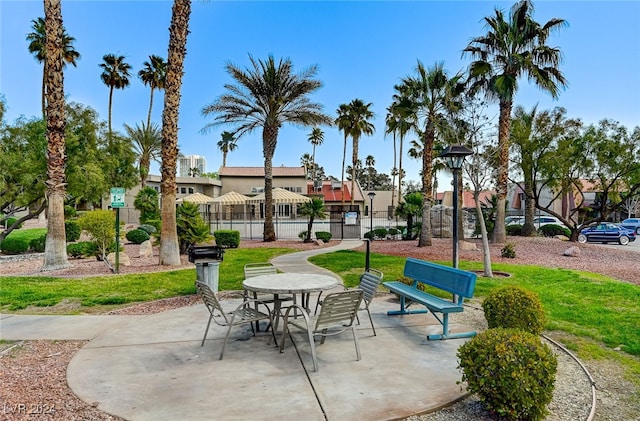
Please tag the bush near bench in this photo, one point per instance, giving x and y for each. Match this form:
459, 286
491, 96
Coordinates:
323, 235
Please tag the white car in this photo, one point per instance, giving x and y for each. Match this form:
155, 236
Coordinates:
546, 220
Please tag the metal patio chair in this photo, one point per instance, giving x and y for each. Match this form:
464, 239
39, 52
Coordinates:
243, 314
337, 315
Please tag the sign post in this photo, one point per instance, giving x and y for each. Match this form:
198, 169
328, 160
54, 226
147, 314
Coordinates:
117, 202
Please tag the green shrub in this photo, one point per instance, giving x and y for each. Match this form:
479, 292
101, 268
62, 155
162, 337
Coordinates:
137, 236
551, 230
101, 227
37, 244
155, 223
514, 307
323, 235
12, 245
302, 235
227, 238
12, 220
148, 228
511, 371
514, 229
380, 232
369, 235
82, 249
393, 231
146, 202
72, 230
191, 227
509, 251
69, 212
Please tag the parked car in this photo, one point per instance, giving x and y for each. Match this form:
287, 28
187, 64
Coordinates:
514, 220
606, 233
632, 224
537, 221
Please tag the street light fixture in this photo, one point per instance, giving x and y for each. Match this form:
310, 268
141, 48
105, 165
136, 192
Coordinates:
454, 157
371, 196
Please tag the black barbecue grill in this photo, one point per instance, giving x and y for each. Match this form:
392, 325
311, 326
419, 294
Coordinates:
205, 254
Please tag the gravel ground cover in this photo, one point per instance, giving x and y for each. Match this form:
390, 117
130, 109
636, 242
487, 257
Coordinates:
33, 373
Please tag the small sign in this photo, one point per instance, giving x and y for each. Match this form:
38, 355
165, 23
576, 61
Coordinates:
117, 197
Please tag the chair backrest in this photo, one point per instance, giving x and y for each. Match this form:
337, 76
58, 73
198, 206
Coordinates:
369, 282
257, 269
210, 300
339, 309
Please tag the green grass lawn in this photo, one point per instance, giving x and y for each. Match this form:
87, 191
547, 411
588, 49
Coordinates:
27, 234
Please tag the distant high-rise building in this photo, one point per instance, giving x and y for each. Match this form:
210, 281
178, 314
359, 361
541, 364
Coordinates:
190, 163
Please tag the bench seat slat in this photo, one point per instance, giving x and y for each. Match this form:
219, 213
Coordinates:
430, 301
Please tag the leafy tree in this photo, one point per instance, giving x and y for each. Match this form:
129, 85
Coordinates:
37, 46
146, 202
101, 227
153, 74
119, 162
115, 74
431, 96
512, 48
267, 96
55, 253
147, 143
410, 208
312, 209
227, 144
178, 31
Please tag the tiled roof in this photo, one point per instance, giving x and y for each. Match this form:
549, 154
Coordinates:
329, 193
259, 172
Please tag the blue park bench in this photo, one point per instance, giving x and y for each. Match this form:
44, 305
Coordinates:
458, 282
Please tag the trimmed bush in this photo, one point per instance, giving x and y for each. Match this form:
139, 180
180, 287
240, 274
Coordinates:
369, 235
508, 251
12, 220
511, 371
551, 230
380, 232
82, 249
514, 307
227, 238
137, 236
323, 235
148, 228
69, 212
37, 245
514, 229
11, 245
72, 230
100, 225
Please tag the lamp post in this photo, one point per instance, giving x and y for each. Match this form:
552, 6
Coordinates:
371, 196
454, 157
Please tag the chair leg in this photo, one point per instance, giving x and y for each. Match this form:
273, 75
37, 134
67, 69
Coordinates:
224, 343
206, 330
313, 349
371, 320
355, 340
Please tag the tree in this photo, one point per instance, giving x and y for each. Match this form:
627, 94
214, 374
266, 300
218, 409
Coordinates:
409, 208
369, 161
227, 144
153, 74
146, 202
316, 137
193, 172
312, 209
115, 74
431, 98
343, 123
399, 122
37, 47
510, 49
55, 251
178, 31
268, 95
147, 143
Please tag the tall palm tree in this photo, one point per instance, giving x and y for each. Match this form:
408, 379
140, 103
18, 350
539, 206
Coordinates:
511, 48
153, 74
344, 124
306, 161
147, 143
267, 95
313, 209
37, 47
400, 123
227, 144
55, 252
178, 31
432, 95
369, 161
115, 74
316, 137
390, 121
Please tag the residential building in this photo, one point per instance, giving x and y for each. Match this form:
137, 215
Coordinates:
187, 164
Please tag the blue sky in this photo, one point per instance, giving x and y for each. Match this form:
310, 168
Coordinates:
362, 49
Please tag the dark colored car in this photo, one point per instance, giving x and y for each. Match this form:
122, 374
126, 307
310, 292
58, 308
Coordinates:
632, 224
607, 233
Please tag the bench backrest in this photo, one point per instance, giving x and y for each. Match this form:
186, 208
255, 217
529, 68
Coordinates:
257, 269
456, 281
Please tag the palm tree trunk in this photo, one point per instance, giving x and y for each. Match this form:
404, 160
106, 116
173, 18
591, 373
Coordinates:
354, 163
144, 171
150, 108
55, 252
178, 31
269, 139
44, 91
110, 103
393, 176
224, 158
427, 189
400, 169
499, 230
528, 228
344, 158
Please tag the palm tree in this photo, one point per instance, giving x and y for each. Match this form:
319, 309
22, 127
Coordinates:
316, 137
344, 124
390, 120
115, 75
153, 74
400, 123
55, 252
37, 47
307, 162
147, 143
510, 49
359, 114
178, 31
432, 95
369, 161
268, 95
227, 144
313, 209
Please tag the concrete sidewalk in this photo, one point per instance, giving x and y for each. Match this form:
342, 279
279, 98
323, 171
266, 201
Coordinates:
153, 367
